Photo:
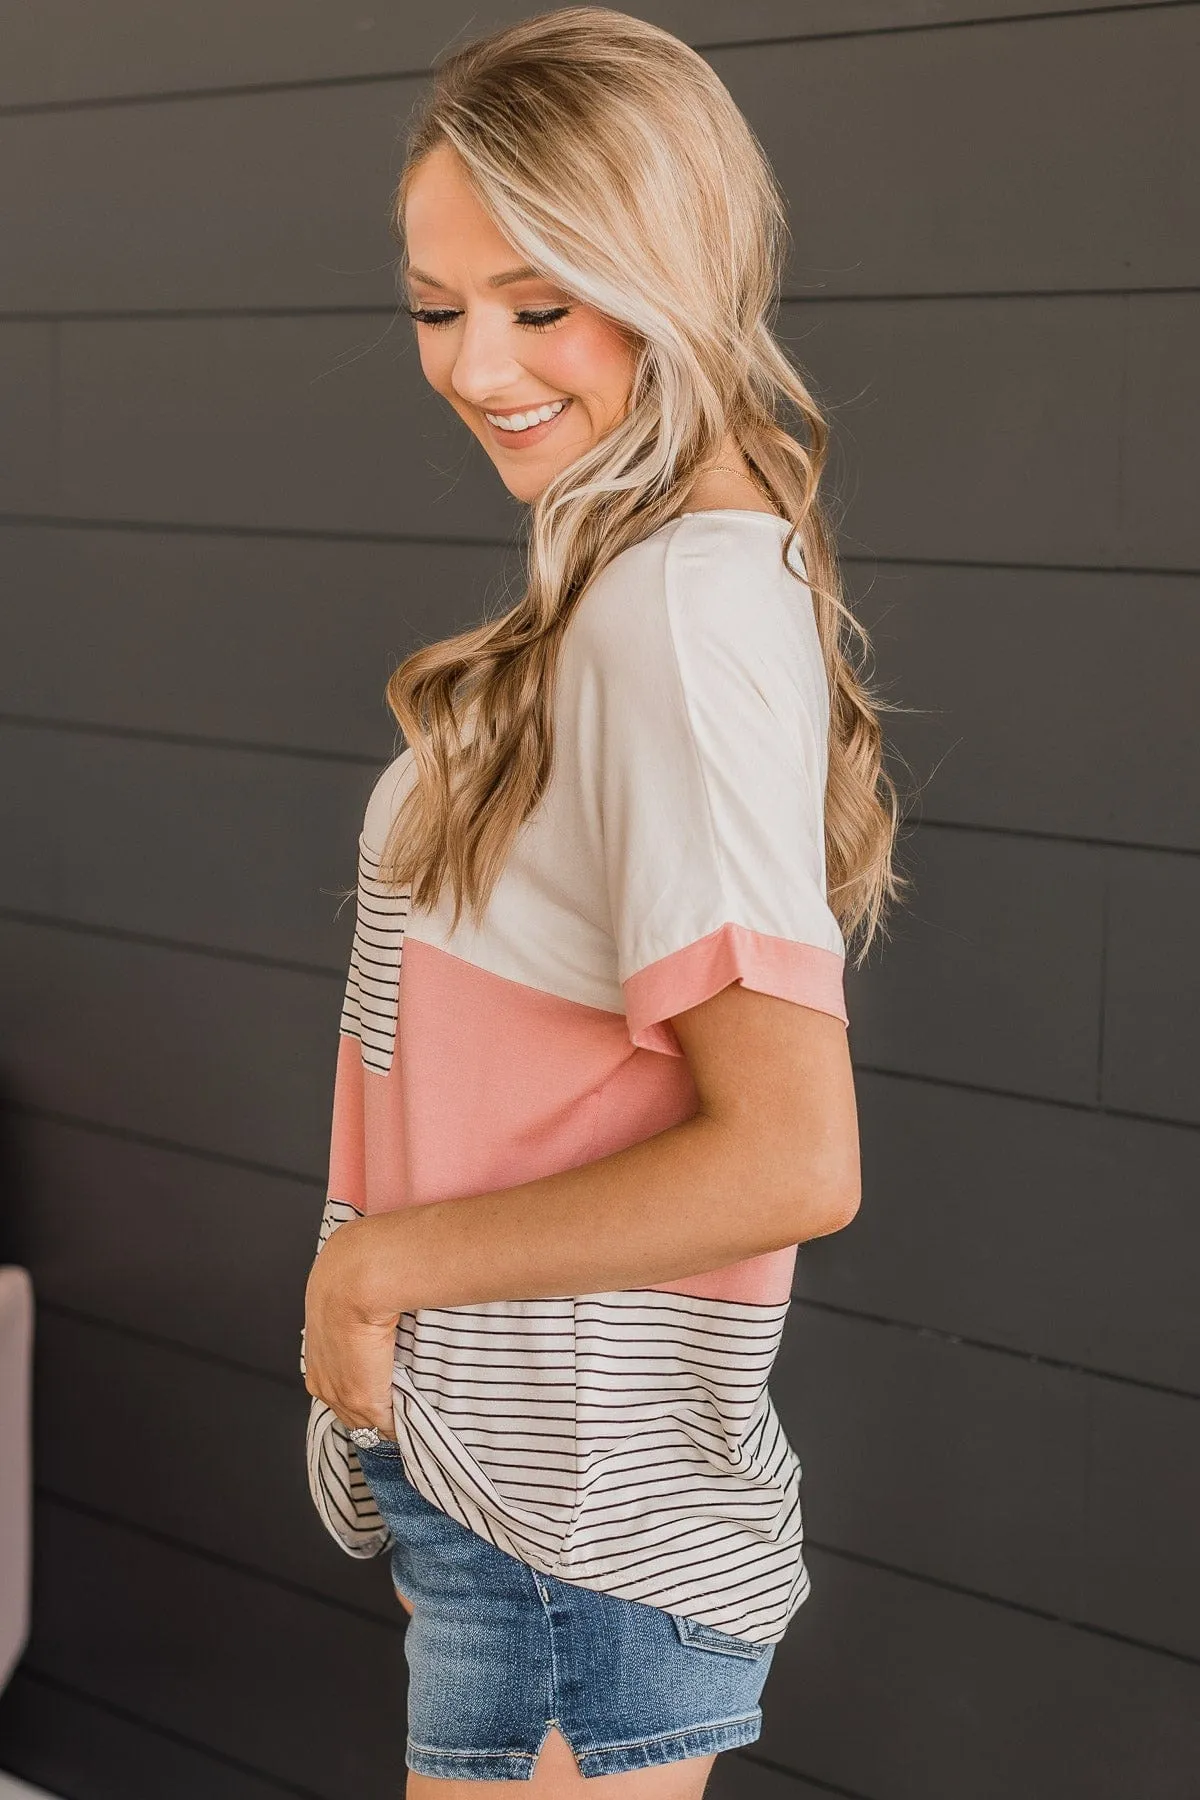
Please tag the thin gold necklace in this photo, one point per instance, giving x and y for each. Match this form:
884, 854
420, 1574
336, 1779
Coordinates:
725, 469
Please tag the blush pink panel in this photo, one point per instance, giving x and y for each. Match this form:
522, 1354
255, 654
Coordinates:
495, 1083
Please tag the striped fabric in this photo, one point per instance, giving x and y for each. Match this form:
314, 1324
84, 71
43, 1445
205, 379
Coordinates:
339, 1490
625, 1440
369, 1006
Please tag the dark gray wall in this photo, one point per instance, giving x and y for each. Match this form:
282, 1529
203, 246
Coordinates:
229, 505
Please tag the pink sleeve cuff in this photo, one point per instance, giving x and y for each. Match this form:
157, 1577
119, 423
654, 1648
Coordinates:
806, 973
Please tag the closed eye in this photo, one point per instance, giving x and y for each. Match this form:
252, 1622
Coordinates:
542, 321
534, 321
424, 315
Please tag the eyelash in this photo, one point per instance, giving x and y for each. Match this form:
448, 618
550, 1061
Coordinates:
424, 315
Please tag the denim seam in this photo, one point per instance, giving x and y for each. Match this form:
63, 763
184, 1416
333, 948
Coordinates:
545, 1606
665, 1737
435, 1750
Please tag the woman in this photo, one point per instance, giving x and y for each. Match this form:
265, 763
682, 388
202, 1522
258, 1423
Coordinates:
593, 1084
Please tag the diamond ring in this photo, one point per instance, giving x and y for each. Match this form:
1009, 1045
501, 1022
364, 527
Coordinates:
365, 1437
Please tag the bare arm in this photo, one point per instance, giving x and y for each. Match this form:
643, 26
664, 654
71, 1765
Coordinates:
769, 1159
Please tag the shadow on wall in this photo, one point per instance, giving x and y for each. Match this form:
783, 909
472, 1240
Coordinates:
15, 1180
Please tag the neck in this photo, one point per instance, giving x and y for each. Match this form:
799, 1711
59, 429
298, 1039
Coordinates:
726, 482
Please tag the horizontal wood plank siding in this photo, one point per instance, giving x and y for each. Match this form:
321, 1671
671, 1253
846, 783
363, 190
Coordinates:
230, 505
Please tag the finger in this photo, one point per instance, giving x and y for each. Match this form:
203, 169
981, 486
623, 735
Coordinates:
354, 1416
355, 1420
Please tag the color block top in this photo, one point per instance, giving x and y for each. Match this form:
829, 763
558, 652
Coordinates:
622, 1440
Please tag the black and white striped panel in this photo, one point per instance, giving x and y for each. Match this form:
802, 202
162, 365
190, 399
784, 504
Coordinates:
495, 1384
373, 984
626, 1441
336, 1483
339, 1490
689, 1486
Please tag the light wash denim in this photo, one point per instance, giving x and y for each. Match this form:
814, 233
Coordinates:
498, 1652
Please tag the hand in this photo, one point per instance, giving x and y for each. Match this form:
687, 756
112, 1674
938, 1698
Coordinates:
348, 1354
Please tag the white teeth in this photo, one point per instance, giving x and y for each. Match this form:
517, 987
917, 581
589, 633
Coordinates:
522, 421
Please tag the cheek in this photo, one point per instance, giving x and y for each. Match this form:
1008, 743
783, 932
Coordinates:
590, 358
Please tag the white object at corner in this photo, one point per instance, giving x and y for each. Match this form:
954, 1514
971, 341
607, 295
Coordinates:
16, 1464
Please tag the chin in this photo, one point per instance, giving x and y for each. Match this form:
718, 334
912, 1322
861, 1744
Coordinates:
526, 491
527, 487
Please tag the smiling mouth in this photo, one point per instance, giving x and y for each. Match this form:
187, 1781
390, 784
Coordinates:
518, 424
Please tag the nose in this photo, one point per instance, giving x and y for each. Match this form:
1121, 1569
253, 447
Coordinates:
484, 366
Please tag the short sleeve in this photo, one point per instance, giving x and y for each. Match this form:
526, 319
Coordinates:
712, 707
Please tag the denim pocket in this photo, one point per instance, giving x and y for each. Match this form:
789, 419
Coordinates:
708, 1637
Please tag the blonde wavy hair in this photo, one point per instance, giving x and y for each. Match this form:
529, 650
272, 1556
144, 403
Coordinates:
615, 161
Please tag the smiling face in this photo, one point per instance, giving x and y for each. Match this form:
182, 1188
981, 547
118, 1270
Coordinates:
538, 376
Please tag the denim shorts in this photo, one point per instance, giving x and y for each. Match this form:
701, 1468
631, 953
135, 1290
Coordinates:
499, 1652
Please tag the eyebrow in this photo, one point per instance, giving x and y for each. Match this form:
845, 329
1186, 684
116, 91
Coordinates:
524, 273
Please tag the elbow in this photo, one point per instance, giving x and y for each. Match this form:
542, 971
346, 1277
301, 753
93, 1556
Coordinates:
804, 1190
841, 1186
827, 1203
841, 1210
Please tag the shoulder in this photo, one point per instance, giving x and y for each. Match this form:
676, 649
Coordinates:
705, 592
616, 602
386, 799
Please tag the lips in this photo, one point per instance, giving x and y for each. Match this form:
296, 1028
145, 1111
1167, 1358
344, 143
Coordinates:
533, 434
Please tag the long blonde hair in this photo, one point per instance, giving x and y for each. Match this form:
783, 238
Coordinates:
615, 161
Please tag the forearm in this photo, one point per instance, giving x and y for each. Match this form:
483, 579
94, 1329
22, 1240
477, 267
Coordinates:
690, 1199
